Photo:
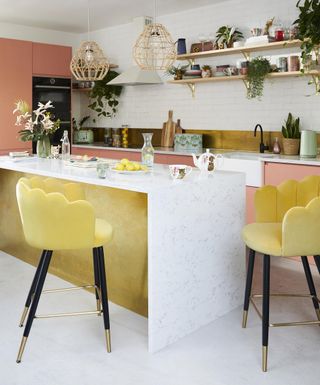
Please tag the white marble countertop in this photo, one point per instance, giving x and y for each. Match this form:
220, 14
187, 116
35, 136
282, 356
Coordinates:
158, 178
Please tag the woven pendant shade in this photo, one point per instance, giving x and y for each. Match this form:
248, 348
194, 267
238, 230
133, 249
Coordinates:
154, 49
89, 62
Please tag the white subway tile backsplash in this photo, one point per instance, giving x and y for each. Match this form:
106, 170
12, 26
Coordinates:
222, 105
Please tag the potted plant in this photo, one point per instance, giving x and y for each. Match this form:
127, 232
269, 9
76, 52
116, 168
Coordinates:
81, 134
206, 71
258, 69
105, 97
177, 72
226, 36
291, 135
308, 24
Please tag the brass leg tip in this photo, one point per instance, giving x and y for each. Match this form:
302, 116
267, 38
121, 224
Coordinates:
21, 349
264, 358
99, 306
318, 314
244, 318
108, 340
23, 317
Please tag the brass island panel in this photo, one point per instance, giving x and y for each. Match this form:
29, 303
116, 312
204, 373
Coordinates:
125, 255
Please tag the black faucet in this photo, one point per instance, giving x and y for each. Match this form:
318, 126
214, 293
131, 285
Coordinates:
262, 146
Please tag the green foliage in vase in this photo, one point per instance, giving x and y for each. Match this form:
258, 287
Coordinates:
105, 97
258, 69
291, 128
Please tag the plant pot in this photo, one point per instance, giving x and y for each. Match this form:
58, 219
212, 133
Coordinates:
290, 146
178, 75
206, 73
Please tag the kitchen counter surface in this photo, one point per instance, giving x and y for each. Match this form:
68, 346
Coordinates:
179, 240
158, 178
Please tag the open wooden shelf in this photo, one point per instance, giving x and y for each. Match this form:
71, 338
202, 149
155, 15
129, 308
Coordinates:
245, 50
242, 77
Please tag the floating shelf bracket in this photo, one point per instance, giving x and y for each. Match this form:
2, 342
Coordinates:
246, 83
246, 55
192, 87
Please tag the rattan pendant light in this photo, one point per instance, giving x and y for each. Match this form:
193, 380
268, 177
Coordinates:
89, 62
154, 49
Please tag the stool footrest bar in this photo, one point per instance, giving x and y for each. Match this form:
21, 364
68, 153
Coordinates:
55, 315
67, 289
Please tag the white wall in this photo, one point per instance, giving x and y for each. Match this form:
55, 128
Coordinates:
217, 105
40, 35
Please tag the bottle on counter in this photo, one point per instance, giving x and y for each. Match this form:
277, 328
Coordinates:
147, 151
65, 146
276, 146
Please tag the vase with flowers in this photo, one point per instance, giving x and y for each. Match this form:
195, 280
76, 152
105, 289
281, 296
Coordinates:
38, 125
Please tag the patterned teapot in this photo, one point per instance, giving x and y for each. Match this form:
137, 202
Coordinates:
206, 162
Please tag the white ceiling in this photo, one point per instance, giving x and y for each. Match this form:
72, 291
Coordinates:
71, 15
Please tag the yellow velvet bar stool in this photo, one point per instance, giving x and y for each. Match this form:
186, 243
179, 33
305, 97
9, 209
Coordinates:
56, 217
287, 224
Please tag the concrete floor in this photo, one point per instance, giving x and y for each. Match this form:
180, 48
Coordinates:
70, 351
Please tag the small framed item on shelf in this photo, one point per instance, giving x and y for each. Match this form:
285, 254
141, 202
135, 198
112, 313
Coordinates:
200, 47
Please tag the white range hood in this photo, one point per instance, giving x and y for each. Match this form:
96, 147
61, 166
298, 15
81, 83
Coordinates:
135, 76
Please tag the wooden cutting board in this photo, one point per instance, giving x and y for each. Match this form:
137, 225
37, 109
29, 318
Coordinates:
168, 131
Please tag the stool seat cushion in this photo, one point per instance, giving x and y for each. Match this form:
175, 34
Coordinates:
265, 238
103, 232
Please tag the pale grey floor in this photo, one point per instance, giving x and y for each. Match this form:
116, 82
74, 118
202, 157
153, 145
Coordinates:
71, 351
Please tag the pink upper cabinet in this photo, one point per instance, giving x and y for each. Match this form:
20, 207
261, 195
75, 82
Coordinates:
51, 60
16, 83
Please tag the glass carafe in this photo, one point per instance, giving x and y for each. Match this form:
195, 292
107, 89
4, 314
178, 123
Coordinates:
147, 151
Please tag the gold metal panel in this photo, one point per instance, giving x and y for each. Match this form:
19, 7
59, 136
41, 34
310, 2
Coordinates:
126, 255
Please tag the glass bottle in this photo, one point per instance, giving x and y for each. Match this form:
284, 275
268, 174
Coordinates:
276, 146
147, 151
65, 147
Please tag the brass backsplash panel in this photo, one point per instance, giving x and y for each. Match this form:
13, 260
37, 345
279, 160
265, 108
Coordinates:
220, 139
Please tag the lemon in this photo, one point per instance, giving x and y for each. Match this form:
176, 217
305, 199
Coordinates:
130, 167
124, 161
144, 168
119, 167
136, 166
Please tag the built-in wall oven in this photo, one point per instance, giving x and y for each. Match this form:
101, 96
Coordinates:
58, 90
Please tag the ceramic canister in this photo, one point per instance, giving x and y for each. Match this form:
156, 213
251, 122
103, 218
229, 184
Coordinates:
308, 144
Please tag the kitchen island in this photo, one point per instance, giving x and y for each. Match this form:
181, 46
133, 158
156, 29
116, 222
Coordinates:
176, 257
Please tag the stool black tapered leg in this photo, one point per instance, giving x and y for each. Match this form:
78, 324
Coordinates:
317, 261
265, 310
32, 289
247, 293
96, 277
104, 297
34, 305
310, 282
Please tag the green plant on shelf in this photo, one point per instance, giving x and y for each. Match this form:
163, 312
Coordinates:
308, 24
291, 128
226, 36
258, 69
105, 97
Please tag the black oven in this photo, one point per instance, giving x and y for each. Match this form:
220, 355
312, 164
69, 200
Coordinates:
58, 90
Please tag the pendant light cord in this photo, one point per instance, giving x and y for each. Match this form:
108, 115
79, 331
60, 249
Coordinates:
155, 12
88, 20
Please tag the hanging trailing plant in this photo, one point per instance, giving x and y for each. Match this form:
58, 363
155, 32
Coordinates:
308, 24
258, 69
105, 97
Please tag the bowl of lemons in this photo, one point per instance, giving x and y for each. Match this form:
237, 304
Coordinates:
125, 166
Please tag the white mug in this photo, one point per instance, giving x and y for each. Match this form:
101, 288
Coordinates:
179, 171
